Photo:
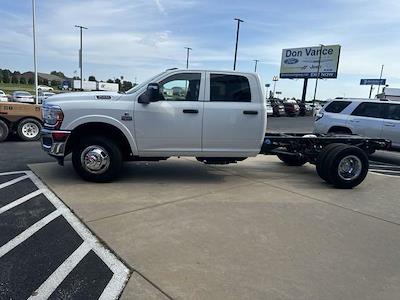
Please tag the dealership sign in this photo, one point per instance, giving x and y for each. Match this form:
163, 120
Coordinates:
372, 81
305, 62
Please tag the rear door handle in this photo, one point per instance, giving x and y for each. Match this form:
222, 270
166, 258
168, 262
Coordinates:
354, 121
250, 112
190, 111
389, 124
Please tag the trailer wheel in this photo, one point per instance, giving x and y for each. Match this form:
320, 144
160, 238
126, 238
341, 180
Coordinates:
29, 129
4, 131
292, 160
321, 168
347, 166
97, 159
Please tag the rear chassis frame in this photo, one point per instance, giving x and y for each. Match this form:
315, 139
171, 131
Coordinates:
309, 145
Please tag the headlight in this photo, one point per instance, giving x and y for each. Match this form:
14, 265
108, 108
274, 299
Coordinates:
52, 116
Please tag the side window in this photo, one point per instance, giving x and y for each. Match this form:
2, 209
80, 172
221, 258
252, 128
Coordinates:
181, 87
394, 112
372, 110
337, 106
229, 88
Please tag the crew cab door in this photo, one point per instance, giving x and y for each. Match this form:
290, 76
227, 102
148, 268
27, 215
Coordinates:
234, 115
172, 126
367, 119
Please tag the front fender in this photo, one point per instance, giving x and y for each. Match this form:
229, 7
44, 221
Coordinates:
107, 120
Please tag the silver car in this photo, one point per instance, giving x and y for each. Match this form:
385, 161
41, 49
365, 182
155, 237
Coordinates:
366, 117
22, 96
3, 97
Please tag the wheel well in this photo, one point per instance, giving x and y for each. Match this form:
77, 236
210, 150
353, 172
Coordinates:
102, 129
340, 129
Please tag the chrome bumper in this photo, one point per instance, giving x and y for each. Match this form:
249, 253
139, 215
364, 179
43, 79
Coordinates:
54, 142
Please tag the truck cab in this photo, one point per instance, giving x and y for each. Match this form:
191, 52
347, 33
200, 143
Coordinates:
215, 116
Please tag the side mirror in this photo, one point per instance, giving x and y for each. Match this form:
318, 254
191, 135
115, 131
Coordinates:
152, 94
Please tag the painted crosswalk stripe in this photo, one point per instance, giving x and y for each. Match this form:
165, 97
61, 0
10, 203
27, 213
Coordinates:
28, 233
19, 201
11, 182
54, 280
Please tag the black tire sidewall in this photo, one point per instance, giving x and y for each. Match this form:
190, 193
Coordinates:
333, 163
321, 167
22, 123
4, 131
114, 153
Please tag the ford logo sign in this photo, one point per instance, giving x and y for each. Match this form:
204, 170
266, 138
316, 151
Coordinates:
291, 61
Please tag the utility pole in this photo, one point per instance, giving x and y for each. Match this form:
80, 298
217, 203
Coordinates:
255, 65
318, 75
380, 77
274, 79
237, 41
34, 51
187, 56
80, 53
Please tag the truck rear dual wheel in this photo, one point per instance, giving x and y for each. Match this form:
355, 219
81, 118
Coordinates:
342, 165
4, 131
29, 129
97, 159
292, 160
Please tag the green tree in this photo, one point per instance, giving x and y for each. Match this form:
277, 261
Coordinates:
110, 81
22, 80
14, 80
6, 76
53, 83
92, 78
31, 81
127, 85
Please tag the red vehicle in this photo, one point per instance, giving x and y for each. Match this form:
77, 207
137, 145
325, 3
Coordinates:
291, 108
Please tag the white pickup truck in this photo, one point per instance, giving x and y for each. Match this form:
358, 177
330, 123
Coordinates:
219, 117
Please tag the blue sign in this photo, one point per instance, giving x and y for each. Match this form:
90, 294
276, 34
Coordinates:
373, 82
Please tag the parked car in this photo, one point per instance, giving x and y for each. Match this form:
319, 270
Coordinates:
3, 97
277, 108
270, 111
291, 108
366, 117
44, 95
22, 96
45, 88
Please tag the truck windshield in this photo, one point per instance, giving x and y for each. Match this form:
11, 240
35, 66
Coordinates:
140, 85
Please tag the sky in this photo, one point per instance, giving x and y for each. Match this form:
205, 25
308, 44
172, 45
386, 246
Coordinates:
139, 38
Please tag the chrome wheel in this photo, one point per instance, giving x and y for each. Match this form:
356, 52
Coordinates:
95, 159
350, 167
30, 130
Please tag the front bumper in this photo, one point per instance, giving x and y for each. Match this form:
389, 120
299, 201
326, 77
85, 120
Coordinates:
54, 142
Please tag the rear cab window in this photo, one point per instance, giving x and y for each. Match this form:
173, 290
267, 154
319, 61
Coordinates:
394, 112
229, 88
337, 106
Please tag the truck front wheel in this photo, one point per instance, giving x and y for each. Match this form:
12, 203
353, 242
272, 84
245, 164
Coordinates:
97, 159
3, 131
29, 129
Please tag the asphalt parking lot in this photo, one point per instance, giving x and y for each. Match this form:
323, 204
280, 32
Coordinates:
180, 229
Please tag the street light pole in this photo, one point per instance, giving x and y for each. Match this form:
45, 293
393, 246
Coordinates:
34, 51
318, 75
80, 53
380, 77
274, 79
187, 56
237, 41
255, 65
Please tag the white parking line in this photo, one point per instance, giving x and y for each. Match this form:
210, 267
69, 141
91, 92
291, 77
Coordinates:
11, 182
54, 280
28, 232
19, 201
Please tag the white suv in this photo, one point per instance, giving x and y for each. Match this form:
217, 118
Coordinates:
366, 117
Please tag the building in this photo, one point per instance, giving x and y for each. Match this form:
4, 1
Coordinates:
390, 94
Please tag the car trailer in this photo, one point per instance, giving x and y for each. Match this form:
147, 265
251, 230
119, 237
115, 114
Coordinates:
341, 160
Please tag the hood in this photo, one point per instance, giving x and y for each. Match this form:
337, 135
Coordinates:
98, 95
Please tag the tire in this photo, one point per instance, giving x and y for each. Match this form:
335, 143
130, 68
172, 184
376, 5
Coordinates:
29, 129
105, 151
4, 130
292, 160
347, 166
320, 166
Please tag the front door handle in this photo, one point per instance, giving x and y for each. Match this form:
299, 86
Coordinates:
355, 121
190, 111
389, 124
250, 112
